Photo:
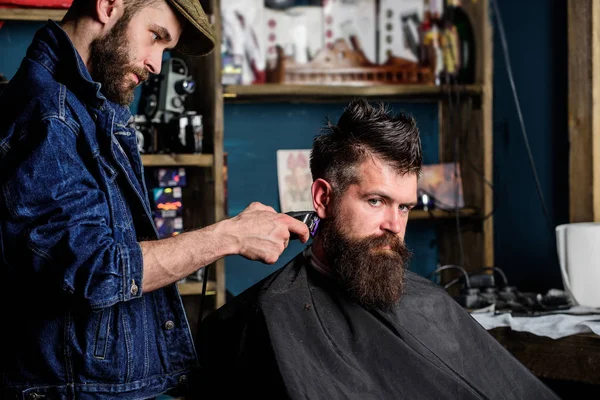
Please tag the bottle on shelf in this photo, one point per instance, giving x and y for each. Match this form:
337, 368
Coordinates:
460, 55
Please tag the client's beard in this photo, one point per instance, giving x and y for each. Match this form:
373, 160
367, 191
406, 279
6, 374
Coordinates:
371, 275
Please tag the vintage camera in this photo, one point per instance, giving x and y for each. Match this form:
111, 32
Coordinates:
176, 86
177, 130
163, 96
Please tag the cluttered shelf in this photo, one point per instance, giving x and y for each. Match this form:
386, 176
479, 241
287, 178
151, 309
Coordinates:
195, 288
272, 91
180, 160
31, 14
336, 52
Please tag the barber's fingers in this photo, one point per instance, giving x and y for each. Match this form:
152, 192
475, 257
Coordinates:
257, 206
298, 227
292, 224
259, 233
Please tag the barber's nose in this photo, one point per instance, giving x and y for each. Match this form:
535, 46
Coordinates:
154, 62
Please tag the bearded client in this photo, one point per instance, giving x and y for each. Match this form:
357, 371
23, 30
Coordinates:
345, 319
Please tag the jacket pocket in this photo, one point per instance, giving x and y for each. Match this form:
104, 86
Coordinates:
102, 333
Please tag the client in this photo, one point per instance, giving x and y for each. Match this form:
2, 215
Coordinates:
345, 319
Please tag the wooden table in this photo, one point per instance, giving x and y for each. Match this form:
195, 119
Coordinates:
572, 358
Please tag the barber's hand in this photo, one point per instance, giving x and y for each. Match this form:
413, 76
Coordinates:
260, 233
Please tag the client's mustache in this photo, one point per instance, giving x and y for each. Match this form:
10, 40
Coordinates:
386, 239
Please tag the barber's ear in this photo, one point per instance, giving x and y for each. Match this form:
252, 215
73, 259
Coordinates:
109, 11
322, 193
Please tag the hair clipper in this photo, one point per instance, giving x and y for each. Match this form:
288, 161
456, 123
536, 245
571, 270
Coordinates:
310, 218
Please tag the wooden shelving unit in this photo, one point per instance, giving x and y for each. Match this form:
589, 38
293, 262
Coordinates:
31, 14
469, 125
179, 160
327, 92
442, 214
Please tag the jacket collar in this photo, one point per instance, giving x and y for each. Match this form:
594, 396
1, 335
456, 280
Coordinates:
53, 49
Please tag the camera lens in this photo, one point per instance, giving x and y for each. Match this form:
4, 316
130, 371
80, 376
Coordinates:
185, 86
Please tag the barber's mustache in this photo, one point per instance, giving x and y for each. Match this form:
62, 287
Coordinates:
142, 73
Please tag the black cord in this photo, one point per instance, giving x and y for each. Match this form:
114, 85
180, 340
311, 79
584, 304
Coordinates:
451, 12
471, 164
495, 269
450, 266
466, 142
500, 272
451, 283
203, 296
451, 81
518, 105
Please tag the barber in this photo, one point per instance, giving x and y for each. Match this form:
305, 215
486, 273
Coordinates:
87, 293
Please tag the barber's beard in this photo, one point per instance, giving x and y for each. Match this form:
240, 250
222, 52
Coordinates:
371, 275
111, 65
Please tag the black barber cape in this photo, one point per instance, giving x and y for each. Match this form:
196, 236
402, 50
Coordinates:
297, 335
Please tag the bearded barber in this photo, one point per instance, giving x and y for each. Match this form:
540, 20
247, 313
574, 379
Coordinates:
87, 290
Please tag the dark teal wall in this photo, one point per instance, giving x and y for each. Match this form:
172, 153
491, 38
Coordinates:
536, 33
14, 39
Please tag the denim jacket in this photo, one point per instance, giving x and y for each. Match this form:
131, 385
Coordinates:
73, 206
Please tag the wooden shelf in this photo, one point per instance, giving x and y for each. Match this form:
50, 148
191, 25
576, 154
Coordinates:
31, 14
323, 92
195, 288
179, 160
441, 214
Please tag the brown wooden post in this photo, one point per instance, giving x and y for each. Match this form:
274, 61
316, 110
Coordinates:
584, 110
471, 122
218, 177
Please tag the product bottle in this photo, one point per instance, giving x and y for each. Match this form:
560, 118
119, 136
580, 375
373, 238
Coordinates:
424, 30
455, 15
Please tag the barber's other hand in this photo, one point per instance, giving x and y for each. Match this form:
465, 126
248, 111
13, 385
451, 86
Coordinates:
260, 233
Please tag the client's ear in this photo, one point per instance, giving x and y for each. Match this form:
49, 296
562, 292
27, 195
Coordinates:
322, 193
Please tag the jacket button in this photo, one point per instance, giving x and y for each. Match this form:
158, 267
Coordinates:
95, 117
183, 379
169, 325
134, 289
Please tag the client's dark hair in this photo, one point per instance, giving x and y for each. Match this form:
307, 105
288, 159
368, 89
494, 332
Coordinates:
365, 131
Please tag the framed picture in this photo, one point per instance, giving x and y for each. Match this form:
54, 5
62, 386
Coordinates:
295, 180
442, 183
